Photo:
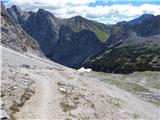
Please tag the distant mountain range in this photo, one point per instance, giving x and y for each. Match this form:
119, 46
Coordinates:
75, 42
137, 50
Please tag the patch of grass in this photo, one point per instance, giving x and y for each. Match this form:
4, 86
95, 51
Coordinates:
26, 96
138, 88
68, 119
16, 106
155, 100
117, 104
157, 86
92, 105
135, 116
12, 117
76, 98
101, 35
117, 83
2, 94
60, 83
66, 107
131, 87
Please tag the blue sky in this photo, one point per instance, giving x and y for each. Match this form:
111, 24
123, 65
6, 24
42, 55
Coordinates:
106, 11
5, 1
111, 2
122, 2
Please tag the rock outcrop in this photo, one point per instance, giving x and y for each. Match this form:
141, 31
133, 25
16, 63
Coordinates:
14, 37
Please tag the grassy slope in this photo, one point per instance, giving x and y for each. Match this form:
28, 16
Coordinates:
101, 31
141, 84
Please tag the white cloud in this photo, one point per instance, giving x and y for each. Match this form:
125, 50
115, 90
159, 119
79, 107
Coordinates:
105, 14
59, 3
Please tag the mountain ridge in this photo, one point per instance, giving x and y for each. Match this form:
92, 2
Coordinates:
54, 34
77, 40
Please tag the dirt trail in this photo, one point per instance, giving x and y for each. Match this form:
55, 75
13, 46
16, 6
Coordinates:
44, 104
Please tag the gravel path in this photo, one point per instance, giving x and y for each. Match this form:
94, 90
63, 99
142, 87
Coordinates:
63, 93
44, 104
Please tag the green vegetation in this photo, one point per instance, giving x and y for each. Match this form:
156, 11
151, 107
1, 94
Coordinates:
127, 60
68, 119
26, 96
157, 85
100, 32
66, 107
131, 87
135, 116
138, 84
60, 84
16, 106
137, 88
101, 35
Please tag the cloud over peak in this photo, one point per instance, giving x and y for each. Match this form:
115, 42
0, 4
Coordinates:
100, 12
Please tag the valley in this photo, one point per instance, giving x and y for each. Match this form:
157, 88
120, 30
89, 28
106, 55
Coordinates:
78, 69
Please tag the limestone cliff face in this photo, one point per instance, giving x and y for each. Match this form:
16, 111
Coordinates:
68, 41
14, 37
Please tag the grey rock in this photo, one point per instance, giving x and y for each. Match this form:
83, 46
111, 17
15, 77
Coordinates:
14, 37
4, 115
68, 41
25, 66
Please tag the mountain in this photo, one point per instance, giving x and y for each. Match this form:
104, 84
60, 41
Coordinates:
146, 25
140, 19
34, 87
137, 50
65, 41
75, 42
18, 14
14, 37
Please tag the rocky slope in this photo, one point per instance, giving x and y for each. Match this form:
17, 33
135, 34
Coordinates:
14, 37
36, 88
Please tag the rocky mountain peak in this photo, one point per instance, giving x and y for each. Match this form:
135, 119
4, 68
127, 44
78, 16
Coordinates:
41, 11
78, 18
17, 9
14, 37
18, 14
145, 16
140, 19
45, 13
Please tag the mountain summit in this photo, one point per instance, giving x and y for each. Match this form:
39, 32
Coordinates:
122, 48
67, 41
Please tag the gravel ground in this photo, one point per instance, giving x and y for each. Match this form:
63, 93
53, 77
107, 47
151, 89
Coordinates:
36, 88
